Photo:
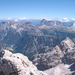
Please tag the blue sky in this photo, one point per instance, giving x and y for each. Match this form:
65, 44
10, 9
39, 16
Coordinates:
35, 9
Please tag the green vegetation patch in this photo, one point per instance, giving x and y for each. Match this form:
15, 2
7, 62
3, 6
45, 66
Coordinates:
34, 34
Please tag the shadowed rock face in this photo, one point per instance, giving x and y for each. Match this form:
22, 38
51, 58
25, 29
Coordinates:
1, 51
10, 31
17, 64
1, 73
63, 52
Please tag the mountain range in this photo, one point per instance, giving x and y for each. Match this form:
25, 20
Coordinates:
29, 39
12, 33
61, 53
31, 44
50, 45
16, 64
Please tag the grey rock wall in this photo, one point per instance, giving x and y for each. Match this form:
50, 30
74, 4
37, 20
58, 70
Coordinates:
17, 64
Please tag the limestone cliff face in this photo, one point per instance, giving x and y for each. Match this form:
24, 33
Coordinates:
16, 64
63, 52
11, 32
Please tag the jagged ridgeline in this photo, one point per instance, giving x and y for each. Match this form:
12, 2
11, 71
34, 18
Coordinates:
31, 44
11, 32
57, 28
63, 52
17, 64
29, 39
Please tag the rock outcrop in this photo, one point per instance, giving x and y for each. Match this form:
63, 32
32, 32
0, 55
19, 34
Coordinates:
31, 44
50, 23
46, 24
63, 52
10, 31
16, 64
61, 69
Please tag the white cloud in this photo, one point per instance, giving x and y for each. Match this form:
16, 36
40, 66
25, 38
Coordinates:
49, 19
23, 18
72, 18
16, 20
9, 18
65, 18
57, 19
61, 20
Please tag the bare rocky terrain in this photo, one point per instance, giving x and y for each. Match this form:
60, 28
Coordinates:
52, 55
61, 53
57, 60
16, 64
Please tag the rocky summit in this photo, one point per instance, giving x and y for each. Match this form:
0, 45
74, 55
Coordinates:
16, 64
62, 53
11, 32
46, 24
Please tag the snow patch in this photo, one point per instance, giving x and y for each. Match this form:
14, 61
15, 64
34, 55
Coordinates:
13, 26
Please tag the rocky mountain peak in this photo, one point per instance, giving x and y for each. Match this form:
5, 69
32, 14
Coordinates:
66, 44
43, 20
17, 64
63, 52
48, 24
13, 29
67, 40
28, 23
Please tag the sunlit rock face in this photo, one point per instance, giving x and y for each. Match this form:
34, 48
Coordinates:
16, 64
57, 60
63, 52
